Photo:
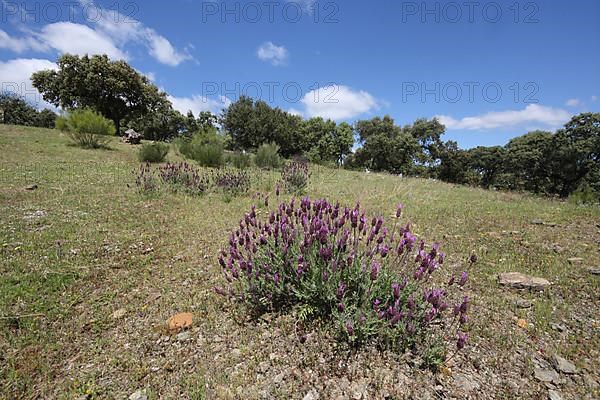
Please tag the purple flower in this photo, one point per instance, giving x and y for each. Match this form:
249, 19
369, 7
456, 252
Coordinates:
396, 291
341, 290
399, 208
375, 270
341, 307
462, 340
350, 328
463, 278
451, 281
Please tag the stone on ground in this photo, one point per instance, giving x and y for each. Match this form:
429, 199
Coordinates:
518, 280
563, 365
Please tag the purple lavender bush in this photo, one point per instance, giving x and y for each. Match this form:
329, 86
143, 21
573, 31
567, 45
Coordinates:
146, 181
372, 280
232, 182
295, 176
184, 177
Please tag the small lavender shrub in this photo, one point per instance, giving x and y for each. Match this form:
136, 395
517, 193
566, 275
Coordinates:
295, 176
372, 280
146, 181
232, 183
184, 177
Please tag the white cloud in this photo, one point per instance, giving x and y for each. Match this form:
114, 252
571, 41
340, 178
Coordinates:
338, 102
109, 33
533, 113
306, 5
276, 55
198, 103
68, 37
573, 103
19, 45
163, 51
594, 98
15, 77
294, 111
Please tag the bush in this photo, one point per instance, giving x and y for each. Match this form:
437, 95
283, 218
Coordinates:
205, 147
145, 180
267, 156
295, 176
372, 281
232, 183
584, 195
240, 160
153, 152
184, 177
87, 128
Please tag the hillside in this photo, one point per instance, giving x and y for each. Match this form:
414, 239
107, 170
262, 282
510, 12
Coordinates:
90, 271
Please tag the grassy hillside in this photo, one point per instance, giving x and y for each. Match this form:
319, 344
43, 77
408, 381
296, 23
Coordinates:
84, 245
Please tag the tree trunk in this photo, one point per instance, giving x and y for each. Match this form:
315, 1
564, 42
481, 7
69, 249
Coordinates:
117, 122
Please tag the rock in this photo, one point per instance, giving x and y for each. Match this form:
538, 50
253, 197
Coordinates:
522, 303
563, 365
546, 375
358, 390
594, 270
554, 395
132, 137
537, 222
558, 327
521, 281
180, 321
575, 260
590, 382
120, 313
311, 395
139, 395
183, 336
466, 383
31, 187
236, 353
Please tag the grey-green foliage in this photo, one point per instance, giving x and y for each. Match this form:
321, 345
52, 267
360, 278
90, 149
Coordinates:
267, 156
153, 152
205, 147
86, 128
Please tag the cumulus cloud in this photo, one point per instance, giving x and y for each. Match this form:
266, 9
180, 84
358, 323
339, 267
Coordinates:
198, 103
532, 114
338, 102
276, 55
594, 98
573, 103
19, 45
68, 37
15, 77
109, 33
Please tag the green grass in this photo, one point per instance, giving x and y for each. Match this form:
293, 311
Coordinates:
84, 245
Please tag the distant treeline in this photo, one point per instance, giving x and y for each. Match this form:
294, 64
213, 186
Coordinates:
15, 110
558, 163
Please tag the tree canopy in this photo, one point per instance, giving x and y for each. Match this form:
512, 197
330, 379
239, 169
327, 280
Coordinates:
113, 88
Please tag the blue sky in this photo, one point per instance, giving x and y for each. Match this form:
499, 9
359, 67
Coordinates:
489, 70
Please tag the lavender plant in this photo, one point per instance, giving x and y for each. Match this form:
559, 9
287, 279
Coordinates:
146, 181
295, 176
184, 177
373, 281
232, 182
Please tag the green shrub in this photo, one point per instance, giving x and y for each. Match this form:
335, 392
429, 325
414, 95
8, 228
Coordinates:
267, 156
240, 160
584, 195
87, 128
153, 152
206, 148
